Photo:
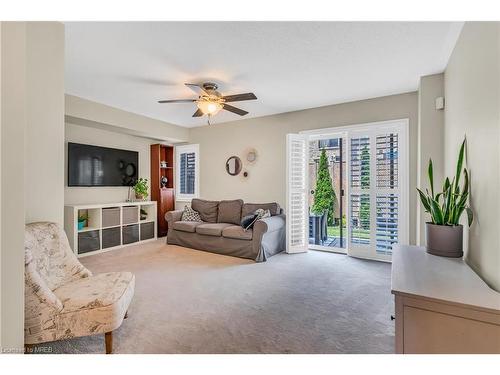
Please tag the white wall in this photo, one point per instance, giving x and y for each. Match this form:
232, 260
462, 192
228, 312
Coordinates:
99, 137
31, 152
472, 83
430, 142
0, 182
266, 181
44, 173
13, 118
81, 111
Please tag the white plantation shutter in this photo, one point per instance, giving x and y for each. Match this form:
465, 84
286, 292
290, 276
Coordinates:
387, 222
387, 161
378, 195
360, 163
387, 199
187, 173
297, 209
187, 180
360, 200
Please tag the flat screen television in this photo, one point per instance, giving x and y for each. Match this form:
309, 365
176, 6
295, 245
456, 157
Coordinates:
101, 166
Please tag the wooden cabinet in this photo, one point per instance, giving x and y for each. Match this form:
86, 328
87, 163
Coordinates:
442, 305
162, 167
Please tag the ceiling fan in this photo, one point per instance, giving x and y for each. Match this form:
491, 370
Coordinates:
210, 101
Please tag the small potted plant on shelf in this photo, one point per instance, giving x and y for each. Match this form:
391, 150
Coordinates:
82, 221
141, 188
444, 233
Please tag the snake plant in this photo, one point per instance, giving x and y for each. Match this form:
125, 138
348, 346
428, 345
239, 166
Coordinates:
447, 206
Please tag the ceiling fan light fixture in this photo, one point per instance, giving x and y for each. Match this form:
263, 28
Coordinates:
209, 107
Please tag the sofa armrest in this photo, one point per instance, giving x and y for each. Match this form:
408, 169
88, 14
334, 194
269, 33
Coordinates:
269, 237
269, 224
173, 216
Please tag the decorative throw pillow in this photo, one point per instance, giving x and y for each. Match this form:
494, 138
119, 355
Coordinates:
257, 215
261, 213
190, 215
247, 221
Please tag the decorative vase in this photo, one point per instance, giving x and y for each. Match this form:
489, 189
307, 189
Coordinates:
163, 181
81, 225
444, 240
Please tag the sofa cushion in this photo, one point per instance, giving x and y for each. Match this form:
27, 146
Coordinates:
95, 304
100, 290
212, 229
237, 232
249, 208
207, 209
186, 226
230, 211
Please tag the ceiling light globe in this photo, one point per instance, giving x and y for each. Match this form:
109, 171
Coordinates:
209, 108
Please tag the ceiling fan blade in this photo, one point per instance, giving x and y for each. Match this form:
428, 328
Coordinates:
177, 101
238, 111
240, 97
198, 113
197, 88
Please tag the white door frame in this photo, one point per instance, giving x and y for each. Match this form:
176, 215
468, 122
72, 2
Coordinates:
402, 127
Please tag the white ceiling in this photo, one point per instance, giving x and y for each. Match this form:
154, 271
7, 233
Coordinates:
289, 65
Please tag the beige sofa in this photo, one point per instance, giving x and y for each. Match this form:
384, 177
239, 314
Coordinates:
63, 299
220, 230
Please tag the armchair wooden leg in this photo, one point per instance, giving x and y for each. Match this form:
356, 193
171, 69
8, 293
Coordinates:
108, 337
126, 315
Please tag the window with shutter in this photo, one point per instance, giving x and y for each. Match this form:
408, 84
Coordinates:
187, 172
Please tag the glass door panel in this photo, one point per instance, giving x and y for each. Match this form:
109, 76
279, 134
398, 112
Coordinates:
327, 199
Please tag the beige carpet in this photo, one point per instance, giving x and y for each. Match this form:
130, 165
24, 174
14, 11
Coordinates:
189, 301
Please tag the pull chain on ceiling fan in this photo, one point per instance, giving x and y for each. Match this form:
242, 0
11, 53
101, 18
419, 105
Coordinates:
210, 101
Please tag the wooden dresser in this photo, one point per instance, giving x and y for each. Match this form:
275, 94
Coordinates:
442, 305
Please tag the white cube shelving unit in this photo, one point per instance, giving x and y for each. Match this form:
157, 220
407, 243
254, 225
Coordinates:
109, 226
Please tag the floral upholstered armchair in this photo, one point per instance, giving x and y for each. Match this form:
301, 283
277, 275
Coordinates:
62, 298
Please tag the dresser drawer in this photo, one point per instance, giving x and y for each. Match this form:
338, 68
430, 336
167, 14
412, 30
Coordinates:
130, 233
147, 231
111, 237
130, 214
110, 217
88, 241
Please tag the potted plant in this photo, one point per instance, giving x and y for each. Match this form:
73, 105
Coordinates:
82, 220
141, 188
444, 233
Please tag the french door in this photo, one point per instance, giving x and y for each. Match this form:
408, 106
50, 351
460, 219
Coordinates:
376, 189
